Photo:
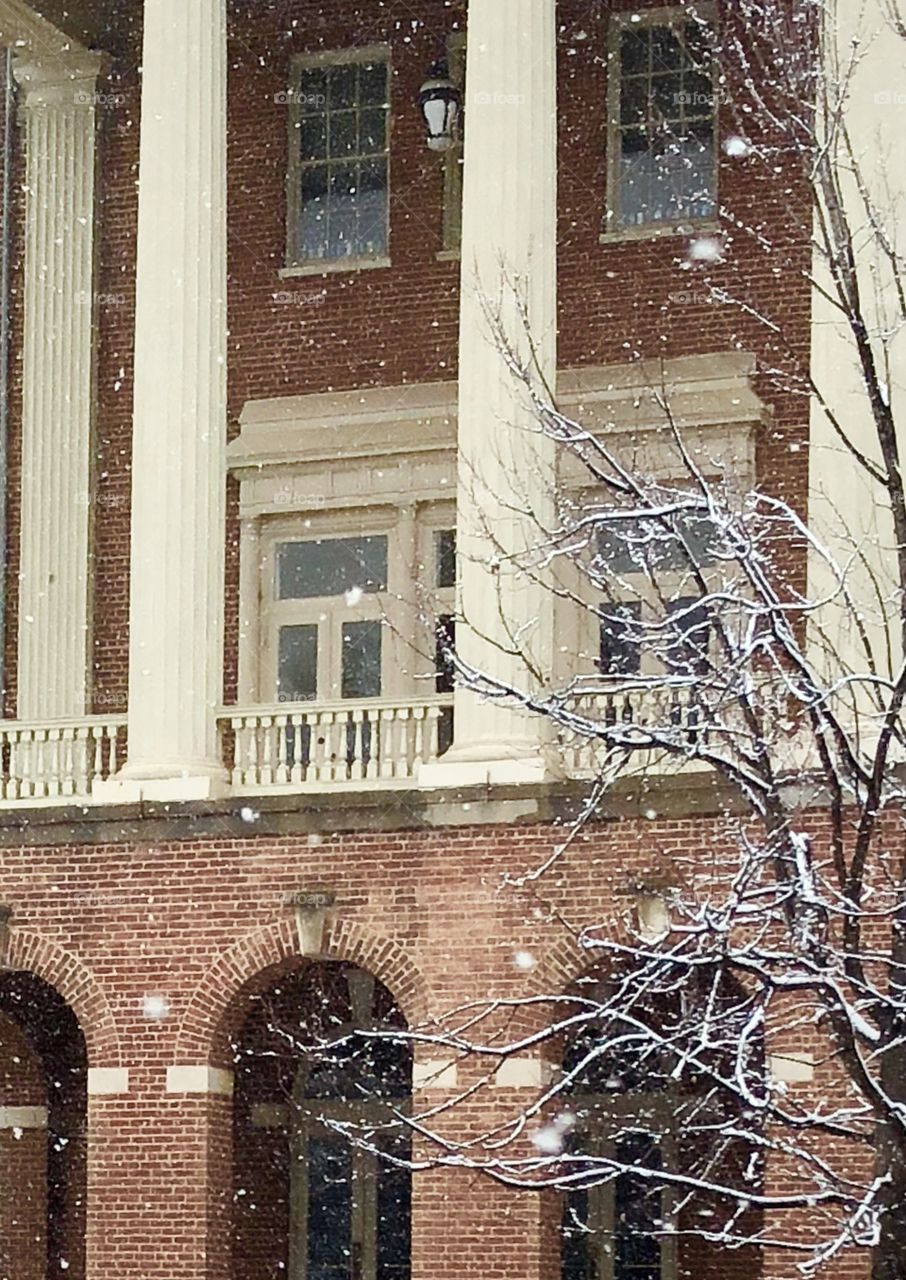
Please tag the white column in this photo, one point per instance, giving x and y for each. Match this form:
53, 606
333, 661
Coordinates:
58, 108
179, 442
509, 300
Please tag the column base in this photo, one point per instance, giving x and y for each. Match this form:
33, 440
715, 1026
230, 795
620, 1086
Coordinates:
168, 783
490, 764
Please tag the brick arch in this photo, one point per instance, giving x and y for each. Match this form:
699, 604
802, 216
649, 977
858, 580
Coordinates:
34, 953
216, 1004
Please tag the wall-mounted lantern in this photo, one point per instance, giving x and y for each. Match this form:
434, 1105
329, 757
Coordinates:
441, 105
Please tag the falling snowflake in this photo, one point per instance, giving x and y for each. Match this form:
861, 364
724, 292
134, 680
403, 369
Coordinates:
354, 596
524, 960
706, 249
155, 1007
551, 1139
247, 814
737, 147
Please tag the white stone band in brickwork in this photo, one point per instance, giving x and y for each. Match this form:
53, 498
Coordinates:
200, 1079
23, 1117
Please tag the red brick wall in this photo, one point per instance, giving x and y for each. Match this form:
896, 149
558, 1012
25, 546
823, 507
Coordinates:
199, 920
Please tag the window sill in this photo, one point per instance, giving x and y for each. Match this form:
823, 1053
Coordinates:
660, 232
448, 255
332, 266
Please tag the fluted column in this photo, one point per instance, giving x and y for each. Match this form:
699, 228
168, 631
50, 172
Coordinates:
178, 464
58, 108
508, 307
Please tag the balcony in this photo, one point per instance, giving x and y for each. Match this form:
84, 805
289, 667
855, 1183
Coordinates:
306, 746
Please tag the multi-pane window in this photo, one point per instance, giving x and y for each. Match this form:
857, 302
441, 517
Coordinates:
339, 158
330, 617
663, 160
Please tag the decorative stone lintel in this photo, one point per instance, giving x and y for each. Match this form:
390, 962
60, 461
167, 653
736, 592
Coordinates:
200, 1079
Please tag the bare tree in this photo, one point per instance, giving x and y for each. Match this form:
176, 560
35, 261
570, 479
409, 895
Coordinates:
762, 641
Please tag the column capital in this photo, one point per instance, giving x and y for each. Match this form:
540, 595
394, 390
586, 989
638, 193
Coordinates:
65, 78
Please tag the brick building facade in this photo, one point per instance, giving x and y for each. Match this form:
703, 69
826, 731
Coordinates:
155, 835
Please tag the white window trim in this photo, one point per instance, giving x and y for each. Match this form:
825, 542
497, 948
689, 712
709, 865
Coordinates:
618, 23
301, 62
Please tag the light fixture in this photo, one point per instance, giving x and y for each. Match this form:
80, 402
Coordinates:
441, 104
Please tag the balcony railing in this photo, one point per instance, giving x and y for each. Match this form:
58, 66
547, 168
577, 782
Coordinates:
308, 746
295, 745
583, 755
59, 759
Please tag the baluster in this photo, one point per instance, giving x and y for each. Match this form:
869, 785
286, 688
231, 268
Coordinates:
237, 724
320, 747
80, 779
252, 776
14, 790
359, 744
295, 738
65, 762
431, 734
282, 773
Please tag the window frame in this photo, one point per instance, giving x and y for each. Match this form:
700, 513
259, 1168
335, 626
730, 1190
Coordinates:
328, 613
294, 265
604, 1119
610, 230
407, 608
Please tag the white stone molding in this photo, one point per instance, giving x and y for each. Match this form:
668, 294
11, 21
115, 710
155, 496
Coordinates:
23, 1117
200, 1079
505, 491
107, 1081
58, 109
179, 437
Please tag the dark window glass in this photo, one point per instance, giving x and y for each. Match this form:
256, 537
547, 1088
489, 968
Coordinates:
330, 1206
341, 200
445, 557
688, 641
445, 642
666, 158
394, 1213
331, 567
577, 1259
362, 642
297, 664
637, 1211
649, 545
620, 652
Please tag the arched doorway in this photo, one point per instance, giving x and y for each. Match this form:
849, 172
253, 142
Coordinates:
43, 1076
322, 1179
